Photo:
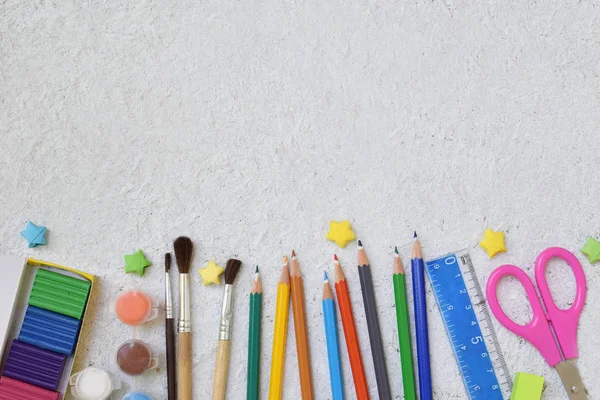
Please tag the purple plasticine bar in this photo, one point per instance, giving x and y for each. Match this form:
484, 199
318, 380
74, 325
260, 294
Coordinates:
35, 366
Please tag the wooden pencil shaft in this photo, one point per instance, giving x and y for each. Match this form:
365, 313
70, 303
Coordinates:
366, 283
421, 328
302, 346
352, 343
221, 370
333, 351
404, 339
279, 340
184, 367
254, 332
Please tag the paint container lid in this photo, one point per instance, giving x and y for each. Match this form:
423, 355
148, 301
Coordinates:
93, 384
135, 307
135, 357
137, 396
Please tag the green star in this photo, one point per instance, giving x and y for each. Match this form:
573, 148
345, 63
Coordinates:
592, 250
136, 262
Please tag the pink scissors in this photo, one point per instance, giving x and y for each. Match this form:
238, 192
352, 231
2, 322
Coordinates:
546, 325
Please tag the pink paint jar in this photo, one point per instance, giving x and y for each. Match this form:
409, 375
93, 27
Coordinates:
134, 308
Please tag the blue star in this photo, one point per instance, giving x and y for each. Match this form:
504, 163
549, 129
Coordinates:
34, 234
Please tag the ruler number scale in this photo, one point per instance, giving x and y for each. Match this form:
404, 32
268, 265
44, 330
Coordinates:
469, 327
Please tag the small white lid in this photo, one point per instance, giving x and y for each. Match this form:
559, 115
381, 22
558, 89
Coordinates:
92, 384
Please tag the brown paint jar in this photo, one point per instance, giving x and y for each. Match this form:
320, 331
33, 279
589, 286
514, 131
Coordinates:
135, 357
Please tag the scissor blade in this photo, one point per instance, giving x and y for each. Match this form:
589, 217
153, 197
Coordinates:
571, 379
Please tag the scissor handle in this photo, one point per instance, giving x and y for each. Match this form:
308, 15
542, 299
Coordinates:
537, 331
564, 322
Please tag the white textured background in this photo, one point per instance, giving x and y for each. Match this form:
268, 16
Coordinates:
249, 124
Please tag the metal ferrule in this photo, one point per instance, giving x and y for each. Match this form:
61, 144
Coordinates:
185, 320
168, 297
226, 313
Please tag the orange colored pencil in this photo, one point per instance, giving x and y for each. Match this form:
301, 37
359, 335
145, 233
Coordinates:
300, 328
345, 305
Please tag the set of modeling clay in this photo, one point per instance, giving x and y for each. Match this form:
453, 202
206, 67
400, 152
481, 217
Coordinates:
42, 328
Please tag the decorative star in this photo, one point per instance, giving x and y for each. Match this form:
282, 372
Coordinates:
35, 235
493, 242
136, 263
592, 250
340, 232
211, 274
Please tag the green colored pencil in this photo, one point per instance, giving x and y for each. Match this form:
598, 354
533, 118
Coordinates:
408, 375
253, 386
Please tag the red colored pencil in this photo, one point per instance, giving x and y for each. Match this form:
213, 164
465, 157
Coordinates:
345, 305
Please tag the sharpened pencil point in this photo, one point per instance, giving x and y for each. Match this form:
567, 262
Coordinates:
396, 249
325, 276
293, 253
285, 260
359, 243
256, 270
415, 235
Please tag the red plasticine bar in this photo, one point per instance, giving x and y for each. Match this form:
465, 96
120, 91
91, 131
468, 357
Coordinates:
12, 389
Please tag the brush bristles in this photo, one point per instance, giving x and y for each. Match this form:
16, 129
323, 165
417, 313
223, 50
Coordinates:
167, 262
184, 249
231, 270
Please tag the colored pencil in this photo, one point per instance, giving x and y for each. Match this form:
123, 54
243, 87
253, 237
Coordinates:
302, 346
253, 385
366, 285
345, 305
282, 309
333, 347
408, 375
420, 304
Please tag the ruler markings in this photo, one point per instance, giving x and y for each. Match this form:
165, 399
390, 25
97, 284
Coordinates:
468, 324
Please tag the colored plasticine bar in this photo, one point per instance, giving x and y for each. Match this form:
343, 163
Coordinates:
12, 389
59, 293
50, 331
35, 366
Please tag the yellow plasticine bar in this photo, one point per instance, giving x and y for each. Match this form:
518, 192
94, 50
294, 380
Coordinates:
527, 387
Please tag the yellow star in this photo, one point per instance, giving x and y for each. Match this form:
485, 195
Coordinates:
493, 242
340, 232
211, 274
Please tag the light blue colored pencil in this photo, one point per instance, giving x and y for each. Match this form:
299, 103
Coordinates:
333, 346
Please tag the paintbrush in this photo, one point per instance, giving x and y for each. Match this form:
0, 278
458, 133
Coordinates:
222, 364
170, 332
184, 249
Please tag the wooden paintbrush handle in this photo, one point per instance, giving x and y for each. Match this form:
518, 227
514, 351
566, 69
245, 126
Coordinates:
221, 370
171, 359
184, 370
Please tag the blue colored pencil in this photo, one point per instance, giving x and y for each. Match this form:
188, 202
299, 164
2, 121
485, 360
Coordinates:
418, 281
333, 347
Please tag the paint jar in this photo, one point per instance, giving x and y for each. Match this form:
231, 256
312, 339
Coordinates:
135, 307
135, 357
93, 384
137, 396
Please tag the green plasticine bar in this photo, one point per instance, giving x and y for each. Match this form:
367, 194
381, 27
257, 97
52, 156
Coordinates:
59, 293
67, 280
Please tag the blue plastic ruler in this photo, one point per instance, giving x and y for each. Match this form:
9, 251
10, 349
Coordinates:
469, 326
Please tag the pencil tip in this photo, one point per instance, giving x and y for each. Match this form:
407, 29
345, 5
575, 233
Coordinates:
293, 253
415, 235
325, 276
359, 243
256, 270
285, 259
335, 257
396, 249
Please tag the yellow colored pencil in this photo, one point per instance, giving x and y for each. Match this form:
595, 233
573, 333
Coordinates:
282, 309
